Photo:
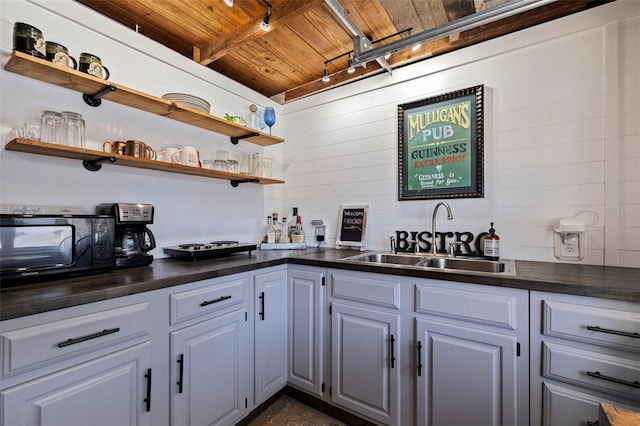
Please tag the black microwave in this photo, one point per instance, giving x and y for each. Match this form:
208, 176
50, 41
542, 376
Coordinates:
34, 247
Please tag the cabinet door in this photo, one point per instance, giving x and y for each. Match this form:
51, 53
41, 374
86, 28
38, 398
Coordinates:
209, 363
465, 376
306, 307
111, 390
365, 362
270, 334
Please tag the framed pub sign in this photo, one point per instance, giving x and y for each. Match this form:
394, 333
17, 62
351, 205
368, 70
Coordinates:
441, 146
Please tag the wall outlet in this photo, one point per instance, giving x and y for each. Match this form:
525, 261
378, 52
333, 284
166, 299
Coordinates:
568, 246
570, 249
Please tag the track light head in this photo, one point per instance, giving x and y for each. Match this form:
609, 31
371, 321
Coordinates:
351, 69
267, 17
326, 78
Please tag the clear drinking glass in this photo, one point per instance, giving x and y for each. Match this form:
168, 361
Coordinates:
73, 129
51, 124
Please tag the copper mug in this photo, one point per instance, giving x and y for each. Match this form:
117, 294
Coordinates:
114, 147
140, 150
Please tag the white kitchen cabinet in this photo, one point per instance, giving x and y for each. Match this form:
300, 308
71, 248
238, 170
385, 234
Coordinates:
584, 351
270, 333
306, 304
471, 355
209, 368
111, 390
366, 345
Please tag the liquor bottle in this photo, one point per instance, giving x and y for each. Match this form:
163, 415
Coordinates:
265, 237
293, 221
284, 235
492, 245
276, 226
298, 236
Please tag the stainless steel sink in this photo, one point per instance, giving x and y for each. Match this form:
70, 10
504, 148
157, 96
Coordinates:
441, 263
477, 265
395, 259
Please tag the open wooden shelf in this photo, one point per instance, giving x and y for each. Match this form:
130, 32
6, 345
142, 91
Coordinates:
49, 72
63, 151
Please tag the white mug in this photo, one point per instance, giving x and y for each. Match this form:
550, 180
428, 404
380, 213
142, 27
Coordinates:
189, 156
169, 155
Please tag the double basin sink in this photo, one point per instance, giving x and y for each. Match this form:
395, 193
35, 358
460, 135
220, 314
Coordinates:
440, 263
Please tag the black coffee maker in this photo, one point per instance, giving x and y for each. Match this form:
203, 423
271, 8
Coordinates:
132, 237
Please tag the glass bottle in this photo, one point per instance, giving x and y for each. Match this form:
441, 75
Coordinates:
284, 235
265, 237
298, 236
292, 222
253, 119
492, 245
276, 226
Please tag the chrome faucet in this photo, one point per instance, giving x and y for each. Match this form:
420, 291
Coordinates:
433, 223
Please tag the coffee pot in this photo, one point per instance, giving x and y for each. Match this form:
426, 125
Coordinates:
133, 239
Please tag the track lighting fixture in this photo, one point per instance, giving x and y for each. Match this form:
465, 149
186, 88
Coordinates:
264, 25
229, 3
326, 78
351, 68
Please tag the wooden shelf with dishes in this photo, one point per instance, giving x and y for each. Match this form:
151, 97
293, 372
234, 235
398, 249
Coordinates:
40, 69
92, 158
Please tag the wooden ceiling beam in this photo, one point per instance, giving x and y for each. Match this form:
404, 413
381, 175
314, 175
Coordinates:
251, 31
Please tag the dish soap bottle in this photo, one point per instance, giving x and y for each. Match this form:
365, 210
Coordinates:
492, 245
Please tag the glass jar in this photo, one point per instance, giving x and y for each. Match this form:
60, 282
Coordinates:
51, 127
73, 131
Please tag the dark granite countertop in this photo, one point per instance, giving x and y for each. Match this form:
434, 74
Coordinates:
27, 299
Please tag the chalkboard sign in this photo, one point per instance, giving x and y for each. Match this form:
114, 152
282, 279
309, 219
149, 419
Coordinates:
352, 224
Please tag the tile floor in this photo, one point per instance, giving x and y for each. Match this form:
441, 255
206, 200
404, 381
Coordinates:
287, 411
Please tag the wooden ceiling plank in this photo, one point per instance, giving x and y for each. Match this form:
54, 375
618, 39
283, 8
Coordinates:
250, 31
433, 10
131, 19
370, 17
403, 15
458, 9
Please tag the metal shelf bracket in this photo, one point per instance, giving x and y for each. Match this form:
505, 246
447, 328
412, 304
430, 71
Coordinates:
95, 165
236, 182
95, 100
235, 139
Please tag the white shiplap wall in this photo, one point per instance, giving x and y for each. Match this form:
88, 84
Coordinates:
188, 208
551, 94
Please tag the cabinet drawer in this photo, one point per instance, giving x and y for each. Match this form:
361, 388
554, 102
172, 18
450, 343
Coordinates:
366, 289
616, 326
48, 343
568, 407
602, 372
206, 300
488, 308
